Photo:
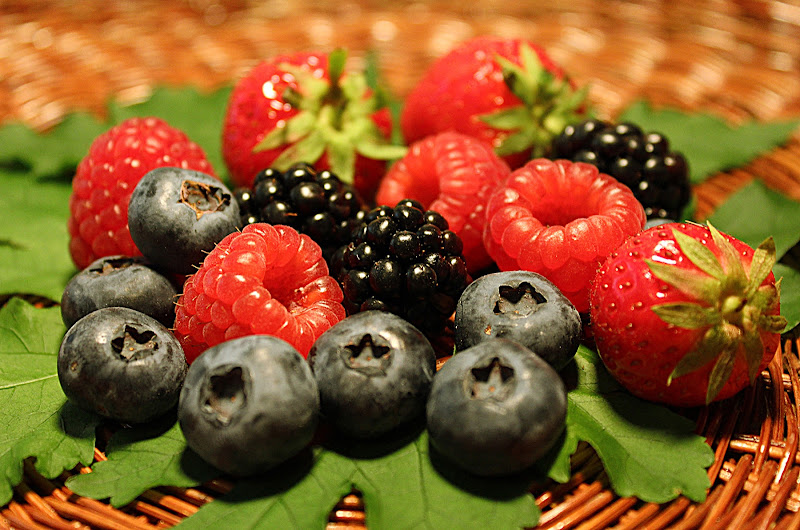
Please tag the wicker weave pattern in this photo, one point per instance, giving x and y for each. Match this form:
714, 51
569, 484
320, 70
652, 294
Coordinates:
738, 58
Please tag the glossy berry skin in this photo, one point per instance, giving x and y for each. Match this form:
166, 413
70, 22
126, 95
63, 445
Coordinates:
406, 261
658, 176
249, 404
314, 202
121, 364
374, 371
260, 105
176, 217
521, 306
467, 86
560, 219
119, 281
495, 408
453, 174
653, 309
264, 280
106, 177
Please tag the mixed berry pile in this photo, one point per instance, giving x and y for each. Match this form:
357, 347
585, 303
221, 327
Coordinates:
313, 288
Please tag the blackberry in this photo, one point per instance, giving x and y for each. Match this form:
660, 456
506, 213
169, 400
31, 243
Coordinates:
658, 177
313, 202
403, 260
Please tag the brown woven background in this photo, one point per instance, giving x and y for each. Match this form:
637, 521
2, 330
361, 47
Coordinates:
739, 59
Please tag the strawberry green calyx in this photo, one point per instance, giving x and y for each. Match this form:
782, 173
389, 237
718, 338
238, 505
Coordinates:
733, 306
334, 117
548, 105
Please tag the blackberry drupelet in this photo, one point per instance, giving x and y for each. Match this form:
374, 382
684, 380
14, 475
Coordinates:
313, 202
658, 177
403, 260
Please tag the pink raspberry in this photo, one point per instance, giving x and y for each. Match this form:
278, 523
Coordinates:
453, 174
264, 280
104, 181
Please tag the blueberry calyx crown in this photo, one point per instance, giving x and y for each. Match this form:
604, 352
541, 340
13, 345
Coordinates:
225, 394
111, 265
131, 344
492, 381
518, 301
367, 356
203, 198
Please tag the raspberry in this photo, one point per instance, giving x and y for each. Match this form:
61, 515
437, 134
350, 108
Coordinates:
403, 260
313, 202
453, 174
560, 219
106, 177
264, 280
658, 177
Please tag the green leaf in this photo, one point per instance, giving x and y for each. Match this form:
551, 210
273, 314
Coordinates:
140, 458
198, 114
403, 487
35, 419
54, 153
708, 142
648, 451
34, 254
756, 212
790, 293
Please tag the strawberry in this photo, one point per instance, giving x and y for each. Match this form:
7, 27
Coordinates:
305, 108
507, 92
685, 315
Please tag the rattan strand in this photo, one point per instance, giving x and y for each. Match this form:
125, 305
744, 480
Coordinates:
737, 59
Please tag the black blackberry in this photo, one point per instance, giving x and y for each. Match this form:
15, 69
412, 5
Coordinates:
313, 202
403, 260
658, 177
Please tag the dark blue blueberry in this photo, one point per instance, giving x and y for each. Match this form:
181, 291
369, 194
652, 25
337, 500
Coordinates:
119, 281
522, 306
496, 408
176, 216
374, 371
121, 364
249, 404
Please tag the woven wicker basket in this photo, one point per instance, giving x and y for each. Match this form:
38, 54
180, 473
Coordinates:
738, 58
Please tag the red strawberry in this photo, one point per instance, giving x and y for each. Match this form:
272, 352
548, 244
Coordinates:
685, 315
305, 108
507, 92
265, 279
106, 176
560, 219
452, 174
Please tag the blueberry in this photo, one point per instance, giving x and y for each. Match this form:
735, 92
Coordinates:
496, 408
121, 364
522, 306
374, 371
119, 281
176, 216
249, 404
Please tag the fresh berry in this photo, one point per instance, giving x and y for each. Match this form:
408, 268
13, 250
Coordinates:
313, 202
249, 404
121, 364
496, 408
176, 216
507, 92
119, 281
658, 176
374, 371
685, 315
452, 174
560, 219
406, 261
521, 306
304, 107
106, 177
264, 280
